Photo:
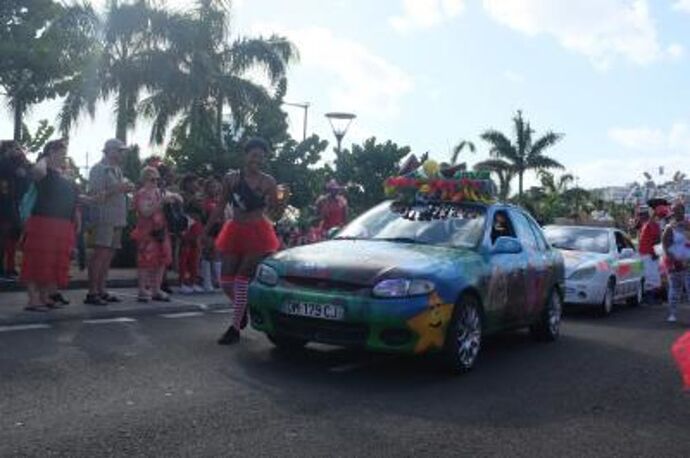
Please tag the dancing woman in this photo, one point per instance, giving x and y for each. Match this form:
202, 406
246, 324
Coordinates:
249, 236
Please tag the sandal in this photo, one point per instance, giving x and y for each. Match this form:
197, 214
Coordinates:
110, 298
59, 298
161, 297
94, 299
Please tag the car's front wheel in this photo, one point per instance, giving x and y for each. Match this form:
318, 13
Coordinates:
548, 326
464, 336
284, 342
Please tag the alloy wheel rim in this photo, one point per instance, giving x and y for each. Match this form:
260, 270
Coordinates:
469, 336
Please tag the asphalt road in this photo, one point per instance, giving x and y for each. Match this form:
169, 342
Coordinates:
160, 386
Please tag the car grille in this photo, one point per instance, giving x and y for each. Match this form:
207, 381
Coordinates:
324, 331
323, 284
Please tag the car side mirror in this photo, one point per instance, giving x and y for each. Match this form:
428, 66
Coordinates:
507, 245
627, 253
332, 232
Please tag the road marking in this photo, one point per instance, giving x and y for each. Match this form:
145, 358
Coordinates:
123, 319
222, 311
348, 367
181, 315
23, 327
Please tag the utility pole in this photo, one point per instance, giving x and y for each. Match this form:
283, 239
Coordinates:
305, 107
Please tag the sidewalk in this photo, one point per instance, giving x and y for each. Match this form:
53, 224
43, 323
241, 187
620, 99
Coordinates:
117, 278
12, 307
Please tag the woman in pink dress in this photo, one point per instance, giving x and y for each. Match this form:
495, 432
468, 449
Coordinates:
154, 252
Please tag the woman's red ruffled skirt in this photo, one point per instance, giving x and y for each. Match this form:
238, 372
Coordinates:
248, 237
47, 247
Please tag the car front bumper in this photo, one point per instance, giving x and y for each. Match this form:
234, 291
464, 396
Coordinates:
589, 292
405, 325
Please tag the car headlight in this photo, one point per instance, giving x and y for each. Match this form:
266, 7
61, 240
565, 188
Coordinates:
402, 287
583, 274
267, 275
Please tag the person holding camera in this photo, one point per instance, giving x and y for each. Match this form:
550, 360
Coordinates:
154, 250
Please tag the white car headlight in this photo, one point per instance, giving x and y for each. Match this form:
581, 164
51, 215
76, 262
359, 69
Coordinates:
402, 287
583, 274
267, 275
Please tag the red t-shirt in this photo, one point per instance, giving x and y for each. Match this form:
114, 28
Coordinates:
650, 236
333, 212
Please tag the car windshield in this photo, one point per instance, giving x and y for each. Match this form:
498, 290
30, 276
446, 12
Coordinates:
381, 223
578, 239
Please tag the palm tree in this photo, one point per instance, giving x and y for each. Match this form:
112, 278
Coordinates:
128, 62
554, 186
44, 48
525, 153
458, 149
504, 173
204, 73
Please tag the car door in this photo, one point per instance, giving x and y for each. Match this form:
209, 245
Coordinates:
535, 270
627, 268
505, 283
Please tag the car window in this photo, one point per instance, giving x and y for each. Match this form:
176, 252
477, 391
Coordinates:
501, 226
578, 238
524, 231
542, 244
462, 227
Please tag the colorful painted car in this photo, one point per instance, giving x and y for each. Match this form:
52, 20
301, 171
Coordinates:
602, 266
434, 283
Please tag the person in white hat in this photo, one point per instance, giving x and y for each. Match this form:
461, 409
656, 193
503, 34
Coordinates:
108, 216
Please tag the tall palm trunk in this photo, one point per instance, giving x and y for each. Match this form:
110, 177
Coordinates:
122, 115
18, 118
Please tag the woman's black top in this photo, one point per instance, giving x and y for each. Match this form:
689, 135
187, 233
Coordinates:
242, 196
57, 197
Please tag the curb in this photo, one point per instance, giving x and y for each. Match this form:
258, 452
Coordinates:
13, 286
95, 313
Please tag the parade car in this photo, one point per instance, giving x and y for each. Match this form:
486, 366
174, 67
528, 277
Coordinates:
437, 282
602, 266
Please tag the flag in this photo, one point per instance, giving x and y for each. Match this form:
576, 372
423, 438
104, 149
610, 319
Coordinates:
681, 353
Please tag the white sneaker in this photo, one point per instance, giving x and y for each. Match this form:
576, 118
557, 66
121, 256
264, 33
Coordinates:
671, 318
184, 289
198, 289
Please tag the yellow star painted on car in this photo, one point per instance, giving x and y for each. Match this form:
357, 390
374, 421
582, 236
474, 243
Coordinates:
431, 325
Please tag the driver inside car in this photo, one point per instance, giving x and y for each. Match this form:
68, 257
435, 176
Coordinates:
501, 227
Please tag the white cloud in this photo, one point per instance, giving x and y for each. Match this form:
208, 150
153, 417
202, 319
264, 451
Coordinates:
362, 81
423, 14
654, 140
513, 76
600, 29
682, 5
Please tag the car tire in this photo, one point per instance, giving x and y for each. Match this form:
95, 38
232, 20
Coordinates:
547, 328
607, 303
637, 299
284, 342
463, 336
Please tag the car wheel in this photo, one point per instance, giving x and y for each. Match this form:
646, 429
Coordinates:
284, 342
463, 337
607, 303
637, 299
548, 327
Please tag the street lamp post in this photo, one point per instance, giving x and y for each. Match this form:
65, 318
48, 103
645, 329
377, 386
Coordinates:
305, 107
340, 122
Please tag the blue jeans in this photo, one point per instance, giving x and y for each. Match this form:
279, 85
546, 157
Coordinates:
677, 282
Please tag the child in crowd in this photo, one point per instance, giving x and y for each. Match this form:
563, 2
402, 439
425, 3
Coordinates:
211, 263
190, 240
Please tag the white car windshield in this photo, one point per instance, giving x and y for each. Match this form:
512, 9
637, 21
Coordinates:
463, 229
578, 239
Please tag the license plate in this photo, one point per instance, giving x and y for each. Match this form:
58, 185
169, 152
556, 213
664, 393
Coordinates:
322, 311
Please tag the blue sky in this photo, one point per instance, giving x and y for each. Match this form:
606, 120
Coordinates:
610, 74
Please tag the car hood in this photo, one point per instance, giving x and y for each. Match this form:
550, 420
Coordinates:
574, 260
364, 262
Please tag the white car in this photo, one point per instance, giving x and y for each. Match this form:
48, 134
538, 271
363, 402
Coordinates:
602, 265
